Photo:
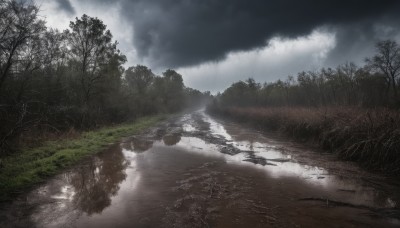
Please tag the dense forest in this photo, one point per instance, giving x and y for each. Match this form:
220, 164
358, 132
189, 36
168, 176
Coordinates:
52, 81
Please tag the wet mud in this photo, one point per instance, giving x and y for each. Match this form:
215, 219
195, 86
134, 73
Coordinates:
198, 171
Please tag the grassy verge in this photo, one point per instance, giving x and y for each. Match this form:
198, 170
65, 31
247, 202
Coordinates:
369, 137
32, 166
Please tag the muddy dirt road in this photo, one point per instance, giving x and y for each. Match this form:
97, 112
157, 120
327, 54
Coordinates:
198, 171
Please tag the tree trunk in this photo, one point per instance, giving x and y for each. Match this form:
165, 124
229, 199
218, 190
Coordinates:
394, 86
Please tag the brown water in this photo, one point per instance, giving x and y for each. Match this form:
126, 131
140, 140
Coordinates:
196, 171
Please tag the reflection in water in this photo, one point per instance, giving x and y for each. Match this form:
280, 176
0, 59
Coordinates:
86, 190
94, 185
171, 139
188, 127
185, 176
216, 128
280, 163
138, 144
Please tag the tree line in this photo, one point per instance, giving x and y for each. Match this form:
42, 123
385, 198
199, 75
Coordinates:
376, 84
53, 80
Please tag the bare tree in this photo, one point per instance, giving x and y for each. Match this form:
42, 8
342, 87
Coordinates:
387, 60
18, 27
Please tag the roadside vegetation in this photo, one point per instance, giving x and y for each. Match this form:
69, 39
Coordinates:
33, 165
66, 94
351, 111
53, 82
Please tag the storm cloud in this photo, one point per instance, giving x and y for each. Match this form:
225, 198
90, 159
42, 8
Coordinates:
65, 5
216, 42
176, 33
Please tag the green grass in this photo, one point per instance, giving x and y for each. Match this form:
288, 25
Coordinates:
31, 166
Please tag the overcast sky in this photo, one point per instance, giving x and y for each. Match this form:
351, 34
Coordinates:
213, 43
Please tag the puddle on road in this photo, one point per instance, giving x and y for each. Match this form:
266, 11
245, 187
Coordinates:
281, 163
182, 176
254, 145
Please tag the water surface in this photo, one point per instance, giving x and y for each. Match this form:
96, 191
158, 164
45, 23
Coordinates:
197, 171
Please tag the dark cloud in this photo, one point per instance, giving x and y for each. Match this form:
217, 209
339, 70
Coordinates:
356, 40
176, 33
65, 5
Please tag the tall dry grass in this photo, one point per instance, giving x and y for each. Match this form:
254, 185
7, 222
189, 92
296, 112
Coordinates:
368, 136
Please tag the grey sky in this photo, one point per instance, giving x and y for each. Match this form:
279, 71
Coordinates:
65, 5
214, 43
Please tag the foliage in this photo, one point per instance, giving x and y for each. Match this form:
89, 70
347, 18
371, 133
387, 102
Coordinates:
51, 81
347, 85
